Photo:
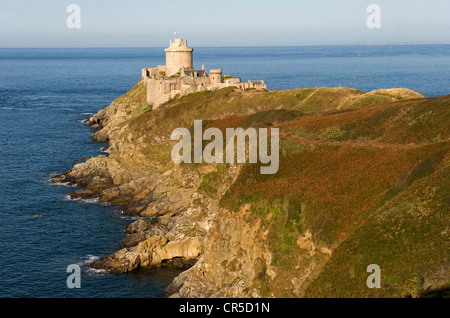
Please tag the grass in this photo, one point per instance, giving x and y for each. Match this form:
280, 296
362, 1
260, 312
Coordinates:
210, 181
408, 237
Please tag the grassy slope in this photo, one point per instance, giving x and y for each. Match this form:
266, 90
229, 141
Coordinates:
335, 171
228, 104
408, 237
344, 154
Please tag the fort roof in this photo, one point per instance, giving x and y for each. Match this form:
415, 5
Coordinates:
195, 73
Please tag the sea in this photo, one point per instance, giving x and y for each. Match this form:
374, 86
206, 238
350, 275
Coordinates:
46, 93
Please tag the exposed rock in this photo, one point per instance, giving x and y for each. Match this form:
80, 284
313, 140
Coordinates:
141, 230
234, 257
61, 178
100, 136
153, 251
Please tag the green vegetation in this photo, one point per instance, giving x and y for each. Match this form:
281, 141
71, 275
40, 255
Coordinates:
224, 78
136, 96
286, 221
211, 181
408, 237
333, 132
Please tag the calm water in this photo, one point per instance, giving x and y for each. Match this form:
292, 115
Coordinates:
44, 95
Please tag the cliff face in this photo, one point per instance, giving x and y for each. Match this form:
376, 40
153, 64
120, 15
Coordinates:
347, 161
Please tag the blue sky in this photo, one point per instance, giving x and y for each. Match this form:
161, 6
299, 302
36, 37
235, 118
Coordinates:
147, 23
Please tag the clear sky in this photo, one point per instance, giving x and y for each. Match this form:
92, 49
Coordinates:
146, 23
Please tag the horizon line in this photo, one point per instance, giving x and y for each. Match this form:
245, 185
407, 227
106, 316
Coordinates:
231, 46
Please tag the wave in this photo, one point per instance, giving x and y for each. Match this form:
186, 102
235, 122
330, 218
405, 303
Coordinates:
88, 259
59, 184
62, 184
21, 108
87, 113
129, 217
90, 201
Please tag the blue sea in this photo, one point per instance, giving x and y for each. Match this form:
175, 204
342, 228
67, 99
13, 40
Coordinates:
46, 93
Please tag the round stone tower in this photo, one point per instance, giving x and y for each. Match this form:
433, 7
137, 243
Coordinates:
178, 55
215, 76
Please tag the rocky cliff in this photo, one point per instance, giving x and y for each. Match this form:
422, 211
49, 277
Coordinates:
347, 161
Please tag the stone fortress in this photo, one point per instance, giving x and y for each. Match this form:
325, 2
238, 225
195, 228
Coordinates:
178, 77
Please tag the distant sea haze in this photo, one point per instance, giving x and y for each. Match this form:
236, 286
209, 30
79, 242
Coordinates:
422, 67
46, 93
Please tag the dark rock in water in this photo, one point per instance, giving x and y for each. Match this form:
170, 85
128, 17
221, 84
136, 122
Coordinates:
84, 194
61, 178
113, 264
64, 178
91, 121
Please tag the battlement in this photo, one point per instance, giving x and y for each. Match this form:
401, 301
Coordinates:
178, 45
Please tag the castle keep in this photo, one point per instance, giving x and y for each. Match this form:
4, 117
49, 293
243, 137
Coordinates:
178, 77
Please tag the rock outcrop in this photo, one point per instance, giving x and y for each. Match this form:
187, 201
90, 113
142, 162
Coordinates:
154, 251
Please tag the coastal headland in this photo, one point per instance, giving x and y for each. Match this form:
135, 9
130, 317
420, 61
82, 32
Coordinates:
363, 179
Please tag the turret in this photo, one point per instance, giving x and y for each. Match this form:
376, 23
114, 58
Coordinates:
215, 76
